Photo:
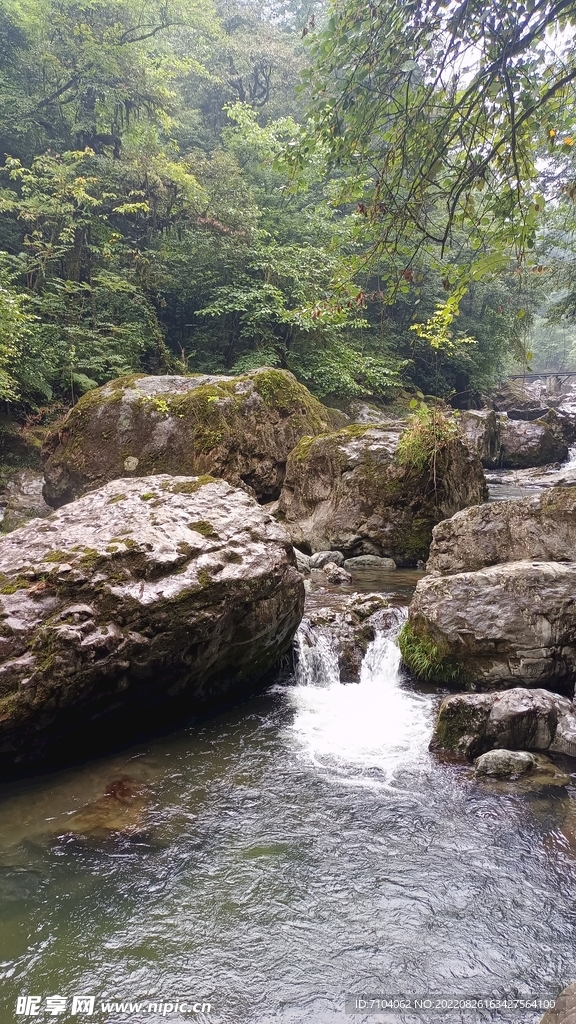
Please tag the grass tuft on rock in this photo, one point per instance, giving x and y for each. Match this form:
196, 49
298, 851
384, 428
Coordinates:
426, 659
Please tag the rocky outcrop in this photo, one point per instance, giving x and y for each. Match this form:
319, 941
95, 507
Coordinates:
518, 719
237, 428
506, 625
349, 491
540, 528
507, 443
21, 499
137, 594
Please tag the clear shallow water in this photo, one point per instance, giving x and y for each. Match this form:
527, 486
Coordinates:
300, 847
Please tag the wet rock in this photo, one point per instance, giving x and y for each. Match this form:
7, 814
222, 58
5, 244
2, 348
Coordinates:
321, 558
506, 625
302, 562
516, 719
138, 593
348, 491
540, 528
370, 562
507, 443
334, 574
237, 428
510, 765
504, 764
21, 499
338, 634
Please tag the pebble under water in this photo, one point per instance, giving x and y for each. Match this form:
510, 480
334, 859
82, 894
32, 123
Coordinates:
299, 848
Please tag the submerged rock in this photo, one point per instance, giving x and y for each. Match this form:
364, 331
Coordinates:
237, 428
138, 592
506, 625
540, 528
516, 719
370, 562
348, 491
121, 810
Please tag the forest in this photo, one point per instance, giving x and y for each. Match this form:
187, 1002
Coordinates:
376, 197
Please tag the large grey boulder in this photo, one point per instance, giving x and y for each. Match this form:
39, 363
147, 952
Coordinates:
516, 719
349, 490
540, 528
138, 593
514, 444
506, 625
238, 428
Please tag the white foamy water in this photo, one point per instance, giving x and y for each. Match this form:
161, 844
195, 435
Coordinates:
375, 727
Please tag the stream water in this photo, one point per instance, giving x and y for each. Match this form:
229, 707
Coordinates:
299, 849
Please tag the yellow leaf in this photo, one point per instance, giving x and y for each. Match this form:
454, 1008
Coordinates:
552, 133
568, 142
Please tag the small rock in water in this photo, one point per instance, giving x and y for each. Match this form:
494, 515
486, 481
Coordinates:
505, 764
510, 765
323, 558
370, 562
334, 574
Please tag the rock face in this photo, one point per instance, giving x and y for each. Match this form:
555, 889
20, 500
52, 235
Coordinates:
506, 625
21, 499
518, 719
541, 528
348, 491
237, 428
507, 443
141, 591
564, 1011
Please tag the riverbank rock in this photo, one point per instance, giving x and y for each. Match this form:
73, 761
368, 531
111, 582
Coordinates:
516, 719
138, 593
506, 625
370, 562
540, 528
237, 428
349, 491
508, 443
321, 558
21, 499
510, 765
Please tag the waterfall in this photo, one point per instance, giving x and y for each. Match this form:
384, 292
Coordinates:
363, 732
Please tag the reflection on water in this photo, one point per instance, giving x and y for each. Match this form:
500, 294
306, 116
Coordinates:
300, 847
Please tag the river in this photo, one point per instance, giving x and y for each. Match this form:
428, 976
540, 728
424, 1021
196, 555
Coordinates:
270, 861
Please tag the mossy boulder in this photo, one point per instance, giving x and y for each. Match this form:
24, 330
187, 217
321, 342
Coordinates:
140, 593
350, 490
512, 624
237, 428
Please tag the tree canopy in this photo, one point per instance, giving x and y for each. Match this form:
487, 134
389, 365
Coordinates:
373, 196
